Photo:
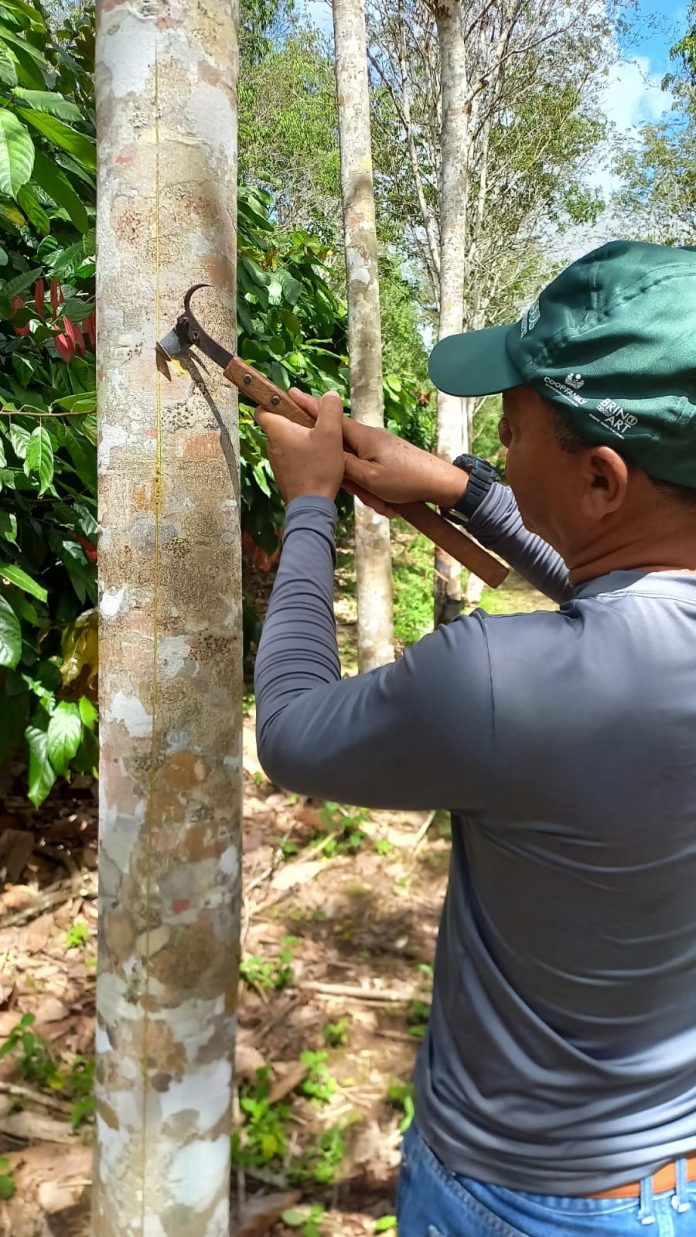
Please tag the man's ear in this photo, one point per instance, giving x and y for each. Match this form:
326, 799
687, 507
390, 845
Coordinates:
605, 482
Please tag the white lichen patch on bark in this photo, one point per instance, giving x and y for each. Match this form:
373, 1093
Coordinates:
170, 651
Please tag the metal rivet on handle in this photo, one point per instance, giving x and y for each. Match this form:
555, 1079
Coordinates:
275, 399
247, 378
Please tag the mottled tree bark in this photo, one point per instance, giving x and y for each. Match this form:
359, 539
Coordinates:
372, 542
170, 605
452, 433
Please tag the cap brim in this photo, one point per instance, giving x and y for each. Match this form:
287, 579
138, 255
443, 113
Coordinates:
476, 363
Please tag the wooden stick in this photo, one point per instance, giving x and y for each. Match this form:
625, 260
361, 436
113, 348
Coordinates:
421, 517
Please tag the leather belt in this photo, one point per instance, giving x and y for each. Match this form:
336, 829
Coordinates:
662, 1181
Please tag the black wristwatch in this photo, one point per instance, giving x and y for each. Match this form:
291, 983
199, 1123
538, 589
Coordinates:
482, 476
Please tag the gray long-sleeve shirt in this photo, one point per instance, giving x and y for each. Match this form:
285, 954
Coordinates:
561, 1050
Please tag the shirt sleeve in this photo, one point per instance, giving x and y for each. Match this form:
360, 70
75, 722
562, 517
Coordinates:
411, 735
497, 525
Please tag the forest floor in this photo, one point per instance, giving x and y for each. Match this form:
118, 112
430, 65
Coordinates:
339, 923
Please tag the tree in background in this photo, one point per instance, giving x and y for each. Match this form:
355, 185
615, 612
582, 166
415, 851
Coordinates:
372, 542
170, 635
485, 118
657, 198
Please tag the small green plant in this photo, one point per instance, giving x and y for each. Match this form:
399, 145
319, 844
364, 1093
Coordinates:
262, 1137
418, 1014
259, 779
344, 824
270, 974
78, 936
322, 1159
386, 1224
336, 1033
40, 1065
383, 846
319, 1084
7, 1185
286, 848
309, 1222
401, 1095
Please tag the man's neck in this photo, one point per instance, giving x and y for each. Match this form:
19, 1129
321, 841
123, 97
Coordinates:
674, 551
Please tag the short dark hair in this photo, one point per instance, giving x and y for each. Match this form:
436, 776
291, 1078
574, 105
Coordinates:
569, 440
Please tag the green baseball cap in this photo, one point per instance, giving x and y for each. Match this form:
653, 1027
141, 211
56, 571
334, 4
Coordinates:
611, 343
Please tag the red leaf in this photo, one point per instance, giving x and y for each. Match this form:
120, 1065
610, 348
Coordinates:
17, 302
39, 298
64, 347
90, 327
89, 549
54, 297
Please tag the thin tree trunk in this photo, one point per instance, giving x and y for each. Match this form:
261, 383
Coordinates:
372, 542
452, 437
170, 642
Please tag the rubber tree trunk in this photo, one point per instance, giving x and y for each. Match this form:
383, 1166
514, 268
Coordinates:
452, 435
170, 606
372, 541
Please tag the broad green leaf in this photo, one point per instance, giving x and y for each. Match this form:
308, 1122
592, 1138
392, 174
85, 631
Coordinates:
64, 735
77, 144
10, 215
88, 713
19, 437
49, 102
20, 283
4, 256
16, 153
25, 611
77, 309
8, 72
20, 579
39, 457
34, 211
10, 635
8, 526
3, 464
56, 184
85, 402
27, 12
41, 772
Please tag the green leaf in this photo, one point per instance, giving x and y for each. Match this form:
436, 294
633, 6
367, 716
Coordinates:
20, 283
41, 772
8, 521
56, 184
16, 154
77, 144
20, 579
387, 1224
10, 635
7, 1187
64, 735
85, 402
88, 713
39, 458
4, 256
49, 102
11, 216
8, 72
19, 437
33, 210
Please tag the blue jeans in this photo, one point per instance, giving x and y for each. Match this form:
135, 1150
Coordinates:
434, 1202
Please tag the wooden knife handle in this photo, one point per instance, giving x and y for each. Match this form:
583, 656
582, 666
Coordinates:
452, 540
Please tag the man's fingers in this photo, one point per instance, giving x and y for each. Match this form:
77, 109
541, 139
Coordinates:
330, 417
308, 403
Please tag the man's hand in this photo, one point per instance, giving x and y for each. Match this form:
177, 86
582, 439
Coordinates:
386, 466
307, 461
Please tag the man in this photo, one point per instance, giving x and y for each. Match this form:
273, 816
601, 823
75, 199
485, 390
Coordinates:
556, 1089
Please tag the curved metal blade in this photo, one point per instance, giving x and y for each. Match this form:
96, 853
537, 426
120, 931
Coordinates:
189, 331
